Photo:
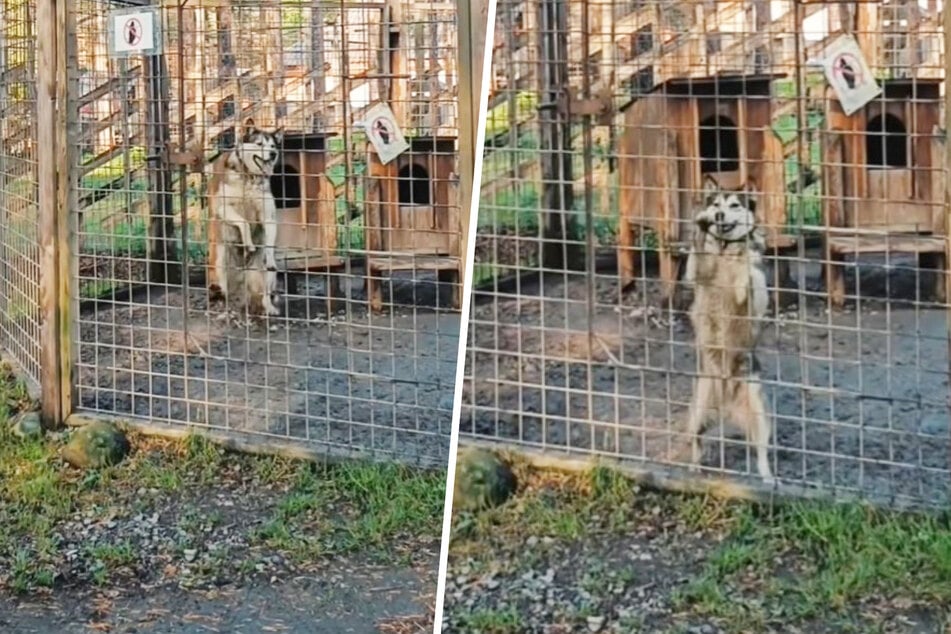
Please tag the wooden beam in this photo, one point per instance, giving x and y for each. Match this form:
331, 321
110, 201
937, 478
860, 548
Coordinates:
67, 131
49, 164
473, 24
946, 178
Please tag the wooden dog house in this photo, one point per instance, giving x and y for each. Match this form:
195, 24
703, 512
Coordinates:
884, 187
306, 212
684, 130
412, 218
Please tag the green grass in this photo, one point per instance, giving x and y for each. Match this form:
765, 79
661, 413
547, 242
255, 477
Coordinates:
505, 621
382, 505
304, 510
799, 563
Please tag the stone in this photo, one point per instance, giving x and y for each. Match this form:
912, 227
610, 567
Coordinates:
96, 445
483, 480
27, 425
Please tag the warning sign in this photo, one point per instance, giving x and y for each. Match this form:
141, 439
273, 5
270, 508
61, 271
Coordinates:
384, 133
849, 75
135, 32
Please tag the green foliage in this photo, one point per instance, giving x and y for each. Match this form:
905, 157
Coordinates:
114, 169
497, 121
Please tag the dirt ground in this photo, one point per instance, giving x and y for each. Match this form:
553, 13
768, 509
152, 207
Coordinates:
859, 396
333, 601
356, 382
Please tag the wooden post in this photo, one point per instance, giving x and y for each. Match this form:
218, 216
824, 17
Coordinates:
67, 144
946, 174
473, 24
559, 224
317, 73
49, 166
163, 253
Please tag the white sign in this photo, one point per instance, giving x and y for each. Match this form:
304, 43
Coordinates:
135, 32
384, 133
849, 75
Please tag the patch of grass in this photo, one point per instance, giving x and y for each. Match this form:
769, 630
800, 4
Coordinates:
505, 621
379, 506
761, 566
60, 524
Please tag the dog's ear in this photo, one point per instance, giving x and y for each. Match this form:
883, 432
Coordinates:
248, 128
279, 136
710, 188
750, 193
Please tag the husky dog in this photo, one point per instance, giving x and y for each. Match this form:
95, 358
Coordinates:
245, 217
725, 268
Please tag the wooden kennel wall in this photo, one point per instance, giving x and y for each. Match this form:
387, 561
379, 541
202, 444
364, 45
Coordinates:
884, 187
412, 220
306, 210
685, 129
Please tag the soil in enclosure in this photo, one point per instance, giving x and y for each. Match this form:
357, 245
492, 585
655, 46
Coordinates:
859, 397
357, 382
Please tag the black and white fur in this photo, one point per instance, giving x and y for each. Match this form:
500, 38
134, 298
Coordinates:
242, 203
725, 269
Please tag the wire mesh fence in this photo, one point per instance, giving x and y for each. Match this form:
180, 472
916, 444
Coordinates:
240, 110
19, 237
613, 128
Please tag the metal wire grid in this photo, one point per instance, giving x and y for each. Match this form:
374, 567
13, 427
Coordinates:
578, 347
152, 343
19, 238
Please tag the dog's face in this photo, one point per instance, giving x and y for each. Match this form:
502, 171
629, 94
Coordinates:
727, 215
259, 149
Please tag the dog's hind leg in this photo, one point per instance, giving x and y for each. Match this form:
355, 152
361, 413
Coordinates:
270, 285
752, 406
703, 398
223, 271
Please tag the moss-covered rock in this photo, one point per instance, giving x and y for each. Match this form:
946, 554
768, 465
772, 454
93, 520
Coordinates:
27, 425
483, 480
96, 445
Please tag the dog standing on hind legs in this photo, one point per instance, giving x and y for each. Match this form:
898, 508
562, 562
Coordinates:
725, 268
245, 218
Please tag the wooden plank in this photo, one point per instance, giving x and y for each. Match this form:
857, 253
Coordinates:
67, 138
103, 89
49, 164
887, 244
410, 262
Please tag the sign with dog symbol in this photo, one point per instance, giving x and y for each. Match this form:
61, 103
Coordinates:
384, 133
849, 74
134, 32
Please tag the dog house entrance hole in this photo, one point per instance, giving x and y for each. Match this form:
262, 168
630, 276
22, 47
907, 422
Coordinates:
285, 185
414, 185
719, 145
886, 143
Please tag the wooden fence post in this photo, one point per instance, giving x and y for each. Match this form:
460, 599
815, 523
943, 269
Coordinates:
473, 24
50, 165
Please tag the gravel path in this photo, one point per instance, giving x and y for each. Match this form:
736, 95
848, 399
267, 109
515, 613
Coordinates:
338, 600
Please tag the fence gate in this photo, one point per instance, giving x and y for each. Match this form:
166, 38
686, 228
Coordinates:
361, 360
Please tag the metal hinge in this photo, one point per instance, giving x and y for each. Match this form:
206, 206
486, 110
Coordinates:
600, 106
